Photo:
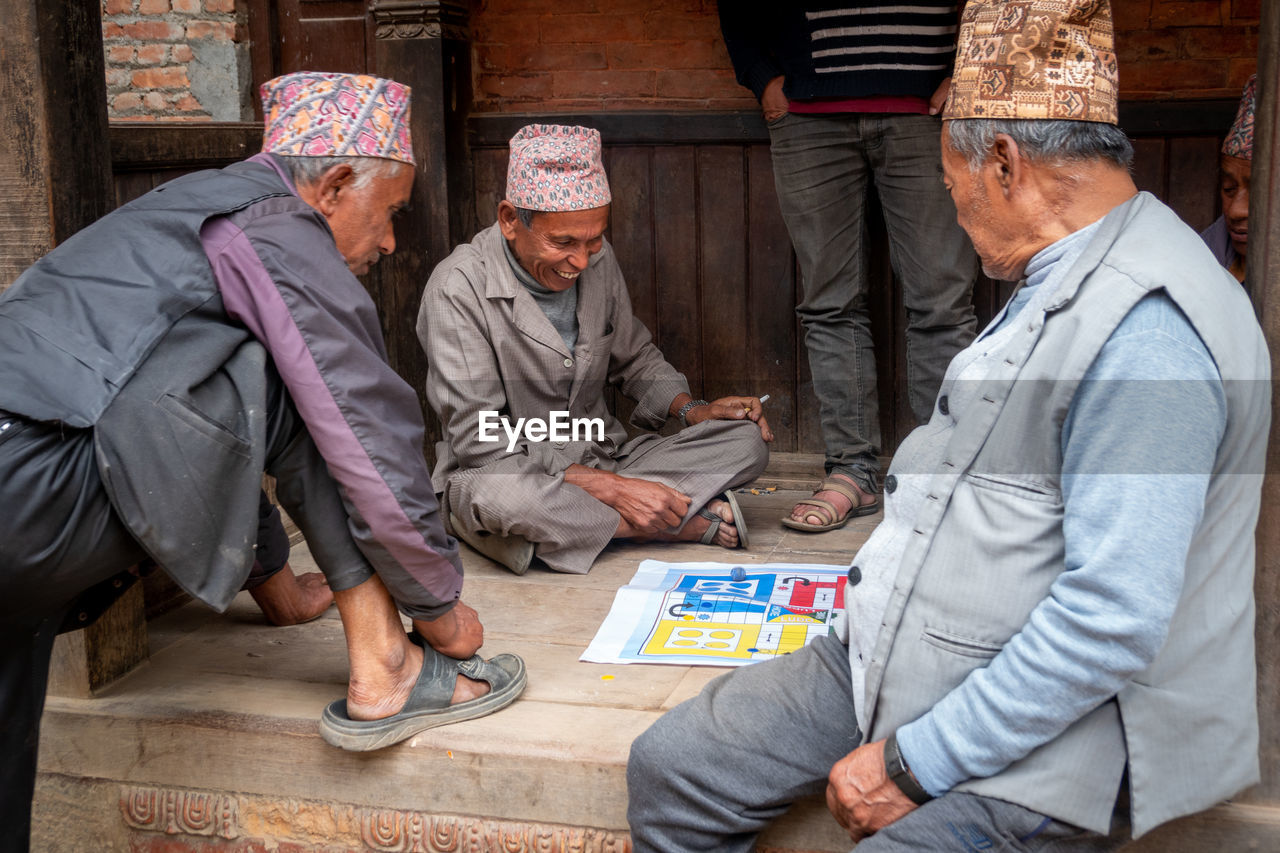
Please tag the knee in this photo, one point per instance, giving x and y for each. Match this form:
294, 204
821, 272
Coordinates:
749, 447
653, 762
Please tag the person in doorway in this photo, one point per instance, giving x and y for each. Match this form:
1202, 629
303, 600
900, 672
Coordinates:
1228, 236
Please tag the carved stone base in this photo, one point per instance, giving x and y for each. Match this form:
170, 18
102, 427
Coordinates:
249, 823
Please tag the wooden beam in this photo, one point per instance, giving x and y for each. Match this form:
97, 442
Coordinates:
1264, 278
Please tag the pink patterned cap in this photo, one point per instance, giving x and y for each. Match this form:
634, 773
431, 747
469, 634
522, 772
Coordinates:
1239, 141
555, 167
324, 114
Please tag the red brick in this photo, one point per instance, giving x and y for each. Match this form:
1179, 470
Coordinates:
1246, 10
117, 7
227, 6
155, 102
590, 29
661, 24
173, 77
1186, 13
187, 7
1146, 45
524, 7
659, 55
698, 84
187, 103
118, 54
112, 31
507, 29
126, 102
1238, 71
153, 7
523, 86
517, 59
1172, 76
1225, 42
182, 53
623, 84
152, 54
153, 31
212, 30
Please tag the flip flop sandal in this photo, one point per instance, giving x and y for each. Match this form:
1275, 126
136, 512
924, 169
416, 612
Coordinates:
738, 521
428, 704
828, 510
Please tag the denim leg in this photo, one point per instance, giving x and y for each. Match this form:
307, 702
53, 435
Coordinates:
713, 771
930, 253
821, 172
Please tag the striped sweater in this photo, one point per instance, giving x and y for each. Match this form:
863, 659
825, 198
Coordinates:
841, 49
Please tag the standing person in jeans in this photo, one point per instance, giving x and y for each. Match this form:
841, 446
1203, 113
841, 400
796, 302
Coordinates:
851, 95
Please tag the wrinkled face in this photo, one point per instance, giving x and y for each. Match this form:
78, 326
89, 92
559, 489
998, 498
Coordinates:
555, 247
1233, 186
361, 217
992, 228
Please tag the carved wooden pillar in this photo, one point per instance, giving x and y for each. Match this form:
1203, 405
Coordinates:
424, 44
1264, 276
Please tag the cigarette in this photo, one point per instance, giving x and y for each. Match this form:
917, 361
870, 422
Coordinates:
764, 399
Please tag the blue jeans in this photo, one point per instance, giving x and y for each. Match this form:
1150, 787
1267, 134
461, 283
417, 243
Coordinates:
821, 166
714, 771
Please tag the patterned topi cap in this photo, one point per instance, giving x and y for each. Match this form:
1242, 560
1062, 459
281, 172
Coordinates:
555, 167
1239, 141
324, 114
1040, 59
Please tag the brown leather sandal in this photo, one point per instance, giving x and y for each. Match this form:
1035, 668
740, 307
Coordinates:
827, 510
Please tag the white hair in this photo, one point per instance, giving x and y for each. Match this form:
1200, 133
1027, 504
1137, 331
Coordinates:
1054, 142
308, 170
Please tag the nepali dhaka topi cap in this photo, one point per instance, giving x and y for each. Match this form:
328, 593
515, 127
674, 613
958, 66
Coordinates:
1239, 141
324, 114
555, 167
1041, 59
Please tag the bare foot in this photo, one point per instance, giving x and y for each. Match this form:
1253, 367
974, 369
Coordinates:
384, 696
807, 514
289, 599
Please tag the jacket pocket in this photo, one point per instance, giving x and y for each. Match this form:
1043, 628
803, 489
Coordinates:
184, 411
1020, 487
960, 645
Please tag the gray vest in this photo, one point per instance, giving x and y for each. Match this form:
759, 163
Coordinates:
988, 543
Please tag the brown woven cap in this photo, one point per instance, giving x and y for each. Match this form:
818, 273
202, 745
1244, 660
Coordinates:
1040, 59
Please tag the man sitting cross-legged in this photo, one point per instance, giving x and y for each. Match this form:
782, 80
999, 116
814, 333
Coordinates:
523, 327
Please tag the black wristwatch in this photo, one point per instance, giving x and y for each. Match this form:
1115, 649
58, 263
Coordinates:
896, 767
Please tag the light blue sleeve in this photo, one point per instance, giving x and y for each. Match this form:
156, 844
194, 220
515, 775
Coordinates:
1138, 446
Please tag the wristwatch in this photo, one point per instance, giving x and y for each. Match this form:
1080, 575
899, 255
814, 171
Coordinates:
896, 768
686, 408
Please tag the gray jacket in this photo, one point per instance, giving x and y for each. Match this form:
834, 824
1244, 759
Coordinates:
989, 545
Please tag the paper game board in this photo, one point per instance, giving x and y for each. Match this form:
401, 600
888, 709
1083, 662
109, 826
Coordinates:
718, 614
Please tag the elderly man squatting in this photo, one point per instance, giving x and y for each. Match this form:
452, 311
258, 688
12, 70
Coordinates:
144, 392
533, 317
1050, 635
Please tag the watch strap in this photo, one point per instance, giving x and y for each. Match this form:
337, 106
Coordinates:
688, 407
895, 766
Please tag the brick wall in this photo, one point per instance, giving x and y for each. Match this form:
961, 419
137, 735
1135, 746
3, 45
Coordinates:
175, 60
567, 55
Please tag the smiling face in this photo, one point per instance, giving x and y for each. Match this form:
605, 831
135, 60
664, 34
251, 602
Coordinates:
555, 247
361, 216
1233, 186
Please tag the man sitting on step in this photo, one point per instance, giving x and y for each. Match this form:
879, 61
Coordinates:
523, 327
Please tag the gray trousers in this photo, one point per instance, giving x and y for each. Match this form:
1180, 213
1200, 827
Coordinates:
568, 527
715, 770
822, 167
